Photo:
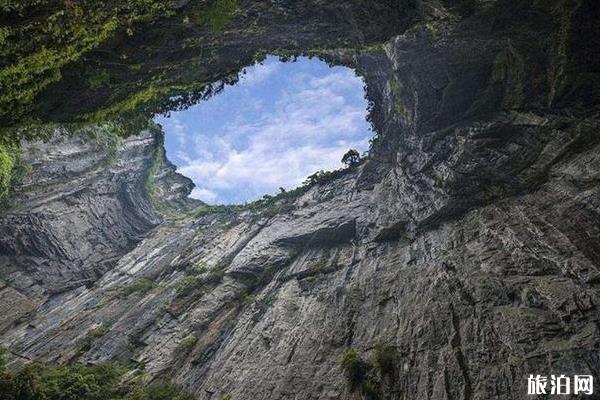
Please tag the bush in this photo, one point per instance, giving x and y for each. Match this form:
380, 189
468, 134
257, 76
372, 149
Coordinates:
7, 162
385, 359
77, 382
217, 14
159, 392
351, 158
142, 286
189, 342
108, 136
37, 382
189, 284
355, 369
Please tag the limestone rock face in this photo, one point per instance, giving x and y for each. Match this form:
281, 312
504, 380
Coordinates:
467, 243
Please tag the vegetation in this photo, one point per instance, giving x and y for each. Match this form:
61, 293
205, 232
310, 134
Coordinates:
367, 377
40, 41
158, 392
7, 162
385, 359
108, 135
217, 14
355, 369
12, 171
280, 202
142, 286
41, 36
193, 282
351, 158
189, 342
77, 382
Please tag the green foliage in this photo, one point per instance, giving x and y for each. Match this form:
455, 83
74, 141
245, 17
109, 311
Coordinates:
226, 397
39, 37
322, 177
355, 369
439, 182
198, 268
193, 283
77, 382
98, 79
351, 158
142, 286
385, 358
367, 377
13, 170
217, 14
189, 342
189, 284
37, 382
108, 135
158, 392
7, 162
281, 202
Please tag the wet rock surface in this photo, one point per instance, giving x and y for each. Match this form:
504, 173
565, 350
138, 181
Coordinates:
469, 241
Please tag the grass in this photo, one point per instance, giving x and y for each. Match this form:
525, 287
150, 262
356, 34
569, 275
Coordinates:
141, 286
202, 282
189, 342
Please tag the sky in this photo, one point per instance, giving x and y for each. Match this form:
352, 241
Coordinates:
281, 123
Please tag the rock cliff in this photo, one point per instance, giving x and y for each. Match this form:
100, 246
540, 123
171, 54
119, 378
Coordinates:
467, 244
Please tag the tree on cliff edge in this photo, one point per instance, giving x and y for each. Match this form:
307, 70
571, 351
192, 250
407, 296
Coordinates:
351, 158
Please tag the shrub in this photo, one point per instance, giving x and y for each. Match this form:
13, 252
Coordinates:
216, 14
159, 392
215, 277
142, 286
7, 162
189, 284
351, 158
77, 382
37, 382
385, 359
108, 136
198, 269
189, 342
355, 369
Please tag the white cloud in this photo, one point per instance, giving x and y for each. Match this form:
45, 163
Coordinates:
311, 126
205, 195
259, 73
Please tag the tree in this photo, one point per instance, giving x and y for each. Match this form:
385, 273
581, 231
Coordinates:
351, 158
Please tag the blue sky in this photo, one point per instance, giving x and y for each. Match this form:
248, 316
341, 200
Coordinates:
279, 124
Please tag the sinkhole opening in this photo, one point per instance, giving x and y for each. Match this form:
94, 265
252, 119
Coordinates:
281, 122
